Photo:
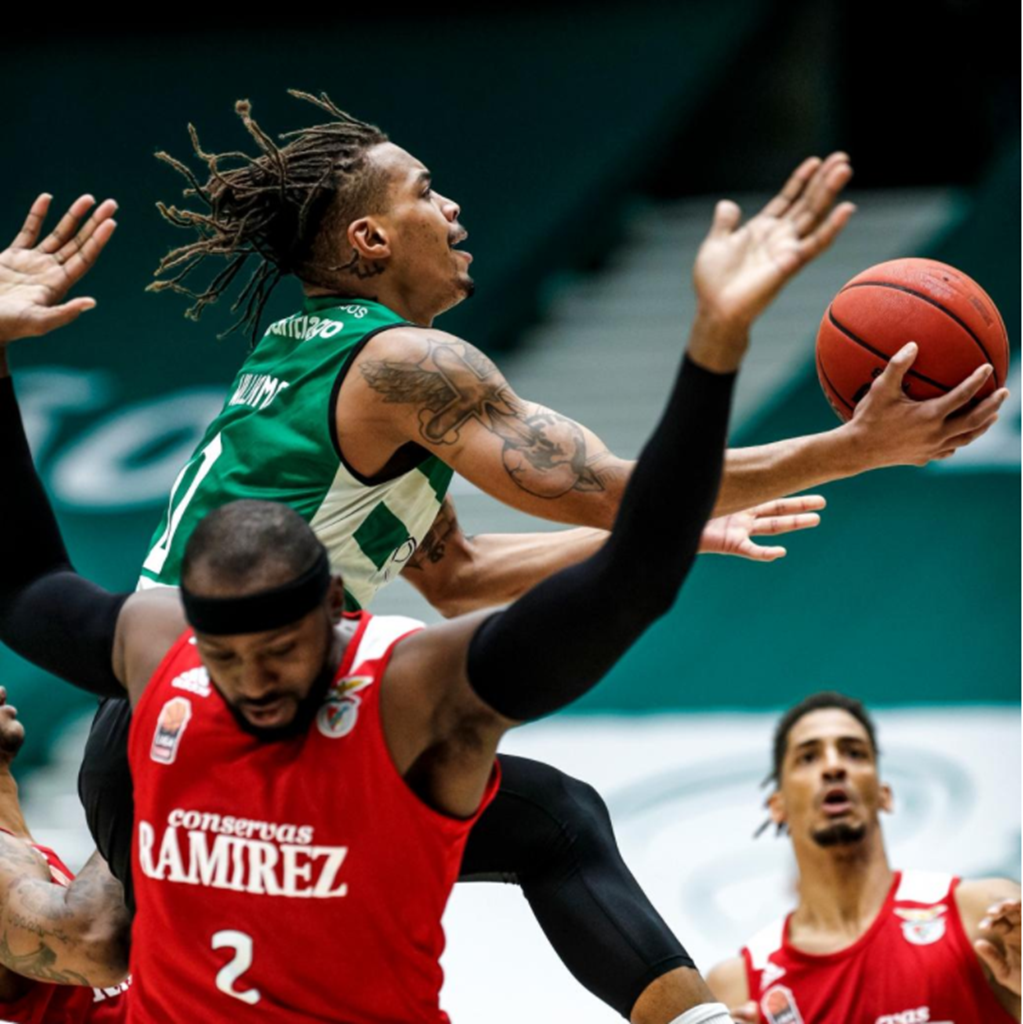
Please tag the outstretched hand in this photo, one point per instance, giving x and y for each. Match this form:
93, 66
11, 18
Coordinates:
739, 270
34, 278
999, 944
895, 430
733, 534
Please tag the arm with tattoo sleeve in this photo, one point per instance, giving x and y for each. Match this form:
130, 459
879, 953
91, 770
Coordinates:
78, 935
442, 393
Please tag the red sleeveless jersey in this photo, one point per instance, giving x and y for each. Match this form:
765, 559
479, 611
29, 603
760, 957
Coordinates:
290, 880
914, 965
63, 1004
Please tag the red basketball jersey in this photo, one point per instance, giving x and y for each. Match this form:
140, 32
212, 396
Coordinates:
914, 965
63, 1004
284, 881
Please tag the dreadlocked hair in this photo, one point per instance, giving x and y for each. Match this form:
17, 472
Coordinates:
272, 207
815, 702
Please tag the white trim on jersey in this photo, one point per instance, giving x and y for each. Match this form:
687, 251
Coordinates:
380, 633
767, 941
923, 886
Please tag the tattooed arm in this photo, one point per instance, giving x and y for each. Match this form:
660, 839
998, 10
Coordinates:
433, 389
439, 391
459, 574
77, 935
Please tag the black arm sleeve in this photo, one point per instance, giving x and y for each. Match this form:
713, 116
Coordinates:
48, 613
579, 622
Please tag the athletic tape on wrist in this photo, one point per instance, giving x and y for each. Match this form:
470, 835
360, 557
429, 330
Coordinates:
706, 1013
262, 611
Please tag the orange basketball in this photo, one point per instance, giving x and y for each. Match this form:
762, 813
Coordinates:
951, 318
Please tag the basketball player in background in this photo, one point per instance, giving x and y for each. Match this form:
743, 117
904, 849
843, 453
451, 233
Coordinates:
866, 943
60, 935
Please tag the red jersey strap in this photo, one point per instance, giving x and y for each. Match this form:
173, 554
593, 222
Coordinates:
60, 873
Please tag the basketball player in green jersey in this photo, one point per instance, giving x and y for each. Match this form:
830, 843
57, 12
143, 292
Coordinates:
355, 410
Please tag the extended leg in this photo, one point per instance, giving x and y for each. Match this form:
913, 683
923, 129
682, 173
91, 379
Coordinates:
552, 835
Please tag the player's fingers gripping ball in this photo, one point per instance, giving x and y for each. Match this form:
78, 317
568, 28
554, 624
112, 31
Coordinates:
952, 319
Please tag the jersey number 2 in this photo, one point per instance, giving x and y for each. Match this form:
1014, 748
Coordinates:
237, 966
209, 455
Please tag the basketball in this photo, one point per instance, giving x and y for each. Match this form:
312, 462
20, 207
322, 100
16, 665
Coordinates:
951, 318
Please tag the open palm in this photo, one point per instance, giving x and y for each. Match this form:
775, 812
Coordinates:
35, 277
733, 534
739, 270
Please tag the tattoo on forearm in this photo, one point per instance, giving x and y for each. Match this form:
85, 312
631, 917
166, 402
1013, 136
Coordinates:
545, 453
433, 547
36, 909
40, 962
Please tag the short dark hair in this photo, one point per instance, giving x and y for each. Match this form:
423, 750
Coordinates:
249, 545
817, 702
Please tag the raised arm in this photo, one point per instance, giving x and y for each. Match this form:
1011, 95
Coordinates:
74, 935
35, 276
43, 601
452, 690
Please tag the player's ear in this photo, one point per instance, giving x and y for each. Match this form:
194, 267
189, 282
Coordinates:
776, 807
887, 798
369, 238
336, 598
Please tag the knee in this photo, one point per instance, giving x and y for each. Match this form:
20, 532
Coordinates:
584, 815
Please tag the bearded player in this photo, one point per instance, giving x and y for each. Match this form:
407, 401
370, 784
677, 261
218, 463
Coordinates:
866, 943
280, 756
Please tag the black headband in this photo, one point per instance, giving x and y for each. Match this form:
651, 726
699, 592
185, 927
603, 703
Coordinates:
266, 609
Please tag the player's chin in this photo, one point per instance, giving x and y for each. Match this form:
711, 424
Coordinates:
845, 830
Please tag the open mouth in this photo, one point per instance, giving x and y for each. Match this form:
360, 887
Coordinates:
265, 712
458, 240
836, 801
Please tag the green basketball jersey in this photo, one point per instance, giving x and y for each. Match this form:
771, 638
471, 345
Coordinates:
275, 439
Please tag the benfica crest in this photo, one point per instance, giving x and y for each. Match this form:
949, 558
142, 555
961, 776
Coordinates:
924, 925
340, 710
